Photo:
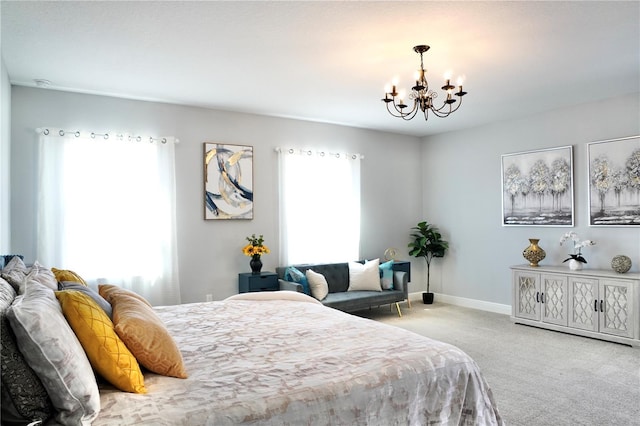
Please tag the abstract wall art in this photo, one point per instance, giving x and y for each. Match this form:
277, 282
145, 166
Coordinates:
228, 181
537, 188
614, 182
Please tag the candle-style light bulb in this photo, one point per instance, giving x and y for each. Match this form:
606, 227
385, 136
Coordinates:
460, 82
447, 86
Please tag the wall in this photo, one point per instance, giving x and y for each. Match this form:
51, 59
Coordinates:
462, 195
5, 152
209, 252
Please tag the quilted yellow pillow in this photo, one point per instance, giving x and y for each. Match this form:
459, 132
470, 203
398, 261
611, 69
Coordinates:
67, 275
145, 335
107, 353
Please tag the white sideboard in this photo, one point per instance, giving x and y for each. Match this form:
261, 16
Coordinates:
594, 303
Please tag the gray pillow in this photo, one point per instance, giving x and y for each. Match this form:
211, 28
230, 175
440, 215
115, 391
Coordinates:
7, 294
24, 399
15, 272
55, 354
70, 285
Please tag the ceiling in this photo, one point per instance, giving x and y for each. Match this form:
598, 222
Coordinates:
329, 61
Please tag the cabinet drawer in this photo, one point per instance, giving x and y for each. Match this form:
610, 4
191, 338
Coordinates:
266, 281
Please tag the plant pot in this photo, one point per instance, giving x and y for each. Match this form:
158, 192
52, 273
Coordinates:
575, 265
427, 298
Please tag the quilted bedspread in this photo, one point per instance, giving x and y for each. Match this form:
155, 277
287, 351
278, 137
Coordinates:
287, 362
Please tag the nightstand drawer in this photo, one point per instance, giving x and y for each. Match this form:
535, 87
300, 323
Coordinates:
265, 281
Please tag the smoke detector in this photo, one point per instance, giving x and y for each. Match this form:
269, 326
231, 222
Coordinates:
41, 82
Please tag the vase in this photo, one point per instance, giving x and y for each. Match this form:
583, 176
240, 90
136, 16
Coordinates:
256, 264
621, 263
575, 265
534, 253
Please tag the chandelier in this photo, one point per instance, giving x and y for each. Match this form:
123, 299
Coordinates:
422, 96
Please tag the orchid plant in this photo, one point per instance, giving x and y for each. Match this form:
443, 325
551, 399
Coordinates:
577, 246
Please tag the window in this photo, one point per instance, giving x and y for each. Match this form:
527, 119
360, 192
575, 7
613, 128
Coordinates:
319, 207
106, 210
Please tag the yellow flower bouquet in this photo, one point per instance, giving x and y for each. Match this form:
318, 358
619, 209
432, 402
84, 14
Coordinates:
254, 250
255, 246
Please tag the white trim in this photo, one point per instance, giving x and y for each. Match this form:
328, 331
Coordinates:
482, 305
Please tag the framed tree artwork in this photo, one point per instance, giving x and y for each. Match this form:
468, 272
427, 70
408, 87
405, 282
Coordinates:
228, 181
537, 188
614, 182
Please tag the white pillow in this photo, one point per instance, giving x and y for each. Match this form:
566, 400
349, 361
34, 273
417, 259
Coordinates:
364, 277
17, 274
317, 284
42, 275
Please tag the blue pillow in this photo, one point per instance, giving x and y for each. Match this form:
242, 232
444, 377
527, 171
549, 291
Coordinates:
295, 275
386, 275
101, 301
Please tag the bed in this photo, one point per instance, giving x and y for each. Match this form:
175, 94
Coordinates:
74, 355
282, 358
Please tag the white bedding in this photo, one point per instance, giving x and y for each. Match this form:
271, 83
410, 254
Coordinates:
287, 362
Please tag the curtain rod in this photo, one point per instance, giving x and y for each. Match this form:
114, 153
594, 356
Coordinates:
353, 156
105, 136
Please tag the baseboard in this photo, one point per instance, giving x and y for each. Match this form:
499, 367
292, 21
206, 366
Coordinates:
467, 303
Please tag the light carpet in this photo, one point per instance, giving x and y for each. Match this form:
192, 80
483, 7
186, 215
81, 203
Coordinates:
538, 377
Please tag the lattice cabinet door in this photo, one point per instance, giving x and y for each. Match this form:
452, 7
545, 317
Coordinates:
595, 303
583, 303
554, 299
617, 310
527, 295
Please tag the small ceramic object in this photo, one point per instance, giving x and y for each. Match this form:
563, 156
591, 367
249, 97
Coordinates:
621, 263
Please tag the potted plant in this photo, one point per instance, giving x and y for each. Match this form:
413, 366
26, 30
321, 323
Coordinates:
428, 243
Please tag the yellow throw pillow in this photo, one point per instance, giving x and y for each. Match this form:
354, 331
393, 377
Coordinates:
145, 335
67, 275
107, 353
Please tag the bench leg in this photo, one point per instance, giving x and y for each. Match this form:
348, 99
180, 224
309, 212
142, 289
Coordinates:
398, 308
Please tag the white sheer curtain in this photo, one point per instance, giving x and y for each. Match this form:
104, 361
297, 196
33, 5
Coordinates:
319, 206
106, 210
